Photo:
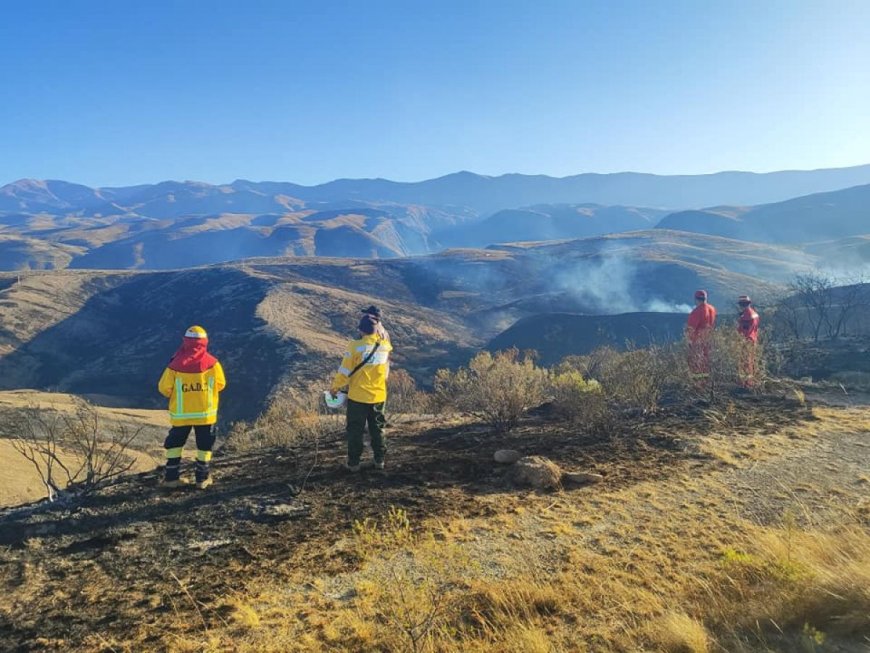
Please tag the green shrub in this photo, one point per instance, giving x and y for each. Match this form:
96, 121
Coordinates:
577, 399
498, 388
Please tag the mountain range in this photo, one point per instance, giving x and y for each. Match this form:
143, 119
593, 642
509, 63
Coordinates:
170, 225
480, 193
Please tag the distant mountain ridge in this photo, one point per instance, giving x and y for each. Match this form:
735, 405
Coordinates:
481, 193
812, 218
49, 224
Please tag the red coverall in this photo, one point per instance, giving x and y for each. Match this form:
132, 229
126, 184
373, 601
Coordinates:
699, 328
747, 325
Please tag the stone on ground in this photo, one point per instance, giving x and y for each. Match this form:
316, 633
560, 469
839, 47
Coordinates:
583, 478
539, 472
507, 456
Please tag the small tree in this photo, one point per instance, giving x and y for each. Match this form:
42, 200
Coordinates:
812, 292
76, 449
848, 299
498, 388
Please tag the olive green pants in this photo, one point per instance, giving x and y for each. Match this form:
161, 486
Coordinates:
358, 415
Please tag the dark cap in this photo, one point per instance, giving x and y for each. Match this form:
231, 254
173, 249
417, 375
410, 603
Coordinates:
374, 311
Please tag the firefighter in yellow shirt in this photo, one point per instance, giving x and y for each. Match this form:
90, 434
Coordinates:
364, 370
192, 382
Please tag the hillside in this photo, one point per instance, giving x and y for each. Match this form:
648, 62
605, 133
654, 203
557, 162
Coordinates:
812, 218
283, 321
133, 241
557, 335
549, 222
269, 326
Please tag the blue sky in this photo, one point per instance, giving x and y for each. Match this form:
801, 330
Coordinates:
122, 92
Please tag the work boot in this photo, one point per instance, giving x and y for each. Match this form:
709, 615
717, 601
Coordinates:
175, 483
204, 483
351, 468
379, 464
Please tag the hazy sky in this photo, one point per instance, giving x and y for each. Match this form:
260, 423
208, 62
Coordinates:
122, 92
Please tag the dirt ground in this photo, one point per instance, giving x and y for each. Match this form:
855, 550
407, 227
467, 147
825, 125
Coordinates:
134, 566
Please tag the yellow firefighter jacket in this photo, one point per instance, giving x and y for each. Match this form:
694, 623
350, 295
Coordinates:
193, 396
369, 384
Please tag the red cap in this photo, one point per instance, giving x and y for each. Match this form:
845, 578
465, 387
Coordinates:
700, 294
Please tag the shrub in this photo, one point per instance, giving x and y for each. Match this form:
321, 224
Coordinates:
634, 380
415, 582
577, 399
403, 396
292, 419
730, 354
499, 387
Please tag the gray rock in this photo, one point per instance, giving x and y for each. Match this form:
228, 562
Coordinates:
507, 456
539, 472
583, 478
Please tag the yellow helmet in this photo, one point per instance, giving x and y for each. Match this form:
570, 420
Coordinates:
195, 332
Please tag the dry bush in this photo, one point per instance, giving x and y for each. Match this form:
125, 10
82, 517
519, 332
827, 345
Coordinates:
498, 388
403, 396
729, 354
71, 450
292, 419
576, 399
637, 380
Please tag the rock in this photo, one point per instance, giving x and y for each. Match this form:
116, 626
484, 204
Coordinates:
539, 472
507, 456
583, 478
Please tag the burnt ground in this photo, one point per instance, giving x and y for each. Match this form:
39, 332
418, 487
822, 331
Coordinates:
133, 560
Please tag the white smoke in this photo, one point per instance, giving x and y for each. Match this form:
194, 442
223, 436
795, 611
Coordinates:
608, 285
661, 306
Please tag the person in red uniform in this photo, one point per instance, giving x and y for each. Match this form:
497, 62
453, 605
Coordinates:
747, 326
699, 329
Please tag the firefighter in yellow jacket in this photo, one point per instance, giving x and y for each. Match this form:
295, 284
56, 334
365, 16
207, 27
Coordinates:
192, 381
364, 370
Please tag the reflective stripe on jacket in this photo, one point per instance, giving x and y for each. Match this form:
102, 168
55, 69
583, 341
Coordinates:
193, 396
369, 384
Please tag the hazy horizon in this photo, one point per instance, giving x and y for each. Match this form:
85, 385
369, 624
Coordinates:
114, 94
413, 181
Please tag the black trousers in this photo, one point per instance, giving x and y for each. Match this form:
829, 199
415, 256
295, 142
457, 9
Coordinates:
175, 442
358, 416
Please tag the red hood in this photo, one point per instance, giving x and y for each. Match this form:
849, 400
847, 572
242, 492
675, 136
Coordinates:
192, 356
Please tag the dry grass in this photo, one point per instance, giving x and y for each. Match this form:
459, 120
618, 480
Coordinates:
677, 632
293, 419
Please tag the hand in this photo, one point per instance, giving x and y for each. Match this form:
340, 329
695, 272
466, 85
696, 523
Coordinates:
333, 394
